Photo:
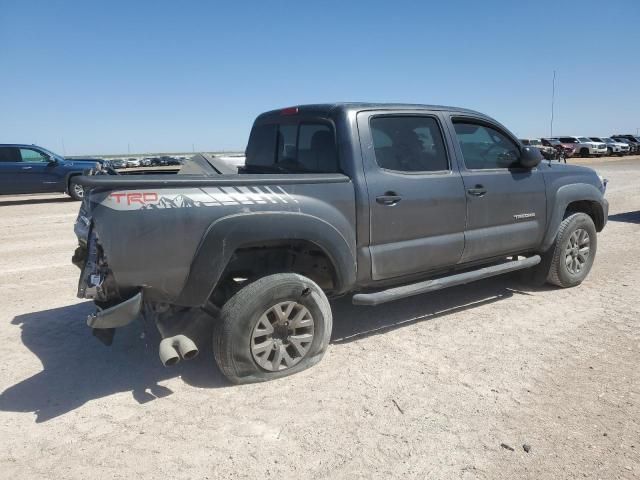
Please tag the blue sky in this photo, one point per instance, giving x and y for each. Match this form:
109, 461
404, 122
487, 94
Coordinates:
166, 75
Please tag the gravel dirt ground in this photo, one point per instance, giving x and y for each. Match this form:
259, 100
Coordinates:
446, 385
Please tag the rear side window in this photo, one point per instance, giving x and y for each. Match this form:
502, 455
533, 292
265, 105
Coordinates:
9, 154
295, 148
485, 148
408, 144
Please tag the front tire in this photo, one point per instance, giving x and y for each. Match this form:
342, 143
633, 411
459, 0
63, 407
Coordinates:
574, 251
274, 327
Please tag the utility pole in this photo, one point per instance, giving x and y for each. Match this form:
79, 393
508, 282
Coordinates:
64, 150
553, 99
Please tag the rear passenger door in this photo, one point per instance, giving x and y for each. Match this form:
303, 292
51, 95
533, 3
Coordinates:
506, 203
416, 198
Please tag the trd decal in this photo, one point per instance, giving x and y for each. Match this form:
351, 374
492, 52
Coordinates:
521, 216
135, 197
198, 197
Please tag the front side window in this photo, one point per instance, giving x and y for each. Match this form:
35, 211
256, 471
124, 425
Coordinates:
30, 155
568, 140
295, 148
408, 144
485, 148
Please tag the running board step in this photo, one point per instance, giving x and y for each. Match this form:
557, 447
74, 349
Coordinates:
397, 293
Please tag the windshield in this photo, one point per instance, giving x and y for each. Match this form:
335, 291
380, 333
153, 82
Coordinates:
608, 140
584, 139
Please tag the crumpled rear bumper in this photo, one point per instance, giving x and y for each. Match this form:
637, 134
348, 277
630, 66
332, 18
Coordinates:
117, 316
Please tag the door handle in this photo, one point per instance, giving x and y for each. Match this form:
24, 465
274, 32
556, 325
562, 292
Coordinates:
389, 199
477, 191
27, 168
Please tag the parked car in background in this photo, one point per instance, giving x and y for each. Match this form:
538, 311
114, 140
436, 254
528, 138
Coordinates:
613, 147
548, 152
133, 162
563, 151
632, 140
33, 169
117, 163
584, 146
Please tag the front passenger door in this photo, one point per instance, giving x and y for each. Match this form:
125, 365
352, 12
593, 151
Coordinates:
38, 173
506, 203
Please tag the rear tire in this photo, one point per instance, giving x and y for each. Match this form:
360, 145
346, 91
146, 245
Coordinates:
75, 191
274, 327
574, 251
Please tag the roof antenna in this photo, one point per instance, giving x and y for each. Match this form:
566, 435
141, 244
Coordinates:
553, 99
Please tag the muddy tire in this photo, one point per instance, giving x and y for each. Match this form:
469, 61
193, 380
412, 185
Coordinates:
274, 327
572, 256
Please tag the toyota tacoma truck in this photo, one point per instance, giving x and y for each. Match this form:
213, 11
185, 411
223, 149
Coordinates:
375, 201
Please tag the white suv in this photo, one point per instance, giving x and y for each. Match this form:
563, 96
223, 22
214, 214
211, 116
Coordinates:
584, 146
613, 147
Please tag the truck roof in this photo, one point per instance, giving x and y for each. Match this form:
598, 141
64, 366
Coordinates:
329, 109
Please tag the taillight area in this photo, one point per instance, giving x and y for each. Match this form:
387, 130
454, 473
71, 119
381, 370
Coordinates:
289, 111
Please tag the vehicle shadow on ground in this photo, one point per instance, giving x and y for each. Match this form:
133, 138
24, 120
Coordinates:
77, 368
626, 217
34, 201
353, 323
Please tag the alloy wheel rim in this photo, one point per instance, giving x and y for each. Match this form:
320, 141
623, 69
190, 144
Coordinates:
577, 251
78, 189
282, 336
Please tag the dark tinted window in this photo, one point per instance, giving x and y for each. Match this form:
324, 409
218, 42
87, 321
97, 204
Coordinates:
316, 148
261, 149
303, 148
568, 140
408, 144
9, 154
485, 147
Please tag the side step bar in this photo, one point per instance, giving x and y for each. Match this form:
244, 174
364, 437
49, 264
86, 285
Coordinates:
397, 293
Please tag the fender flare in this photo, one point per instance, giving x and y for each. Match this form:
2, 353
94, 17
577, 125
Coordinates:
568, 194
226, 235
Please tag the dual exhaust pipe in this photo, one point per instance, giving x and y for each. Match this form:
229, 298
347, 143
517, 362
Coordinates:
172, 348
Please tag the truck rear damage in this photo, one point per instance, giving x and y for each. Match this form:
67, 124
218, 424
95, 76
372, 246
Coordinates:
117, 307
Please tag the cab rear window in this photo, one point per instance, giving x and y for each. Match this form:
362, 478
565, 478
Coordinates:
295, 148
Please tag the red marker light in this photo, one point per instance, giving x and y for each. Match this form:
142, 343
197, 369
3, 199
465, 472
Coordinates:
289, 111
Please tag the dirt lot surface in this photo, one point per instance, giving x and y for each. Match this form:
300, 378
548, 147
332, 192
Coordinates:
429, 387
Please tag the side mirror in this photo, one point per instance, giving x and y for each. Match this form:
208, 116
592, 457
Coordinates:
530, 157
53, 160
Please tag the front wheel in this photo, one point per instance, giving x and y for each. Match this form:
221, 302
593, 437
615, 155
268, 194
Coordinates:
274, 327
574, 251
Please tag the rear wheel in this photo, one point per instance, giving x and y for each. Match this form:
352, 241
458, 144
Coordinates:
274, 327
75, 191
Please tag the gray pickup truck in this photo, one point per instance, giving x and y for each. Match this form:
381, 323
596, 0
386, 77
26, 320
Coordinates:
377, 201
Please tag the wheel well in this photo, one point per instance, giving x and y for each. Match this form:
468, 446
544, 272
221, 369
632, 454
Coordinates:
250, 263
590, 208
